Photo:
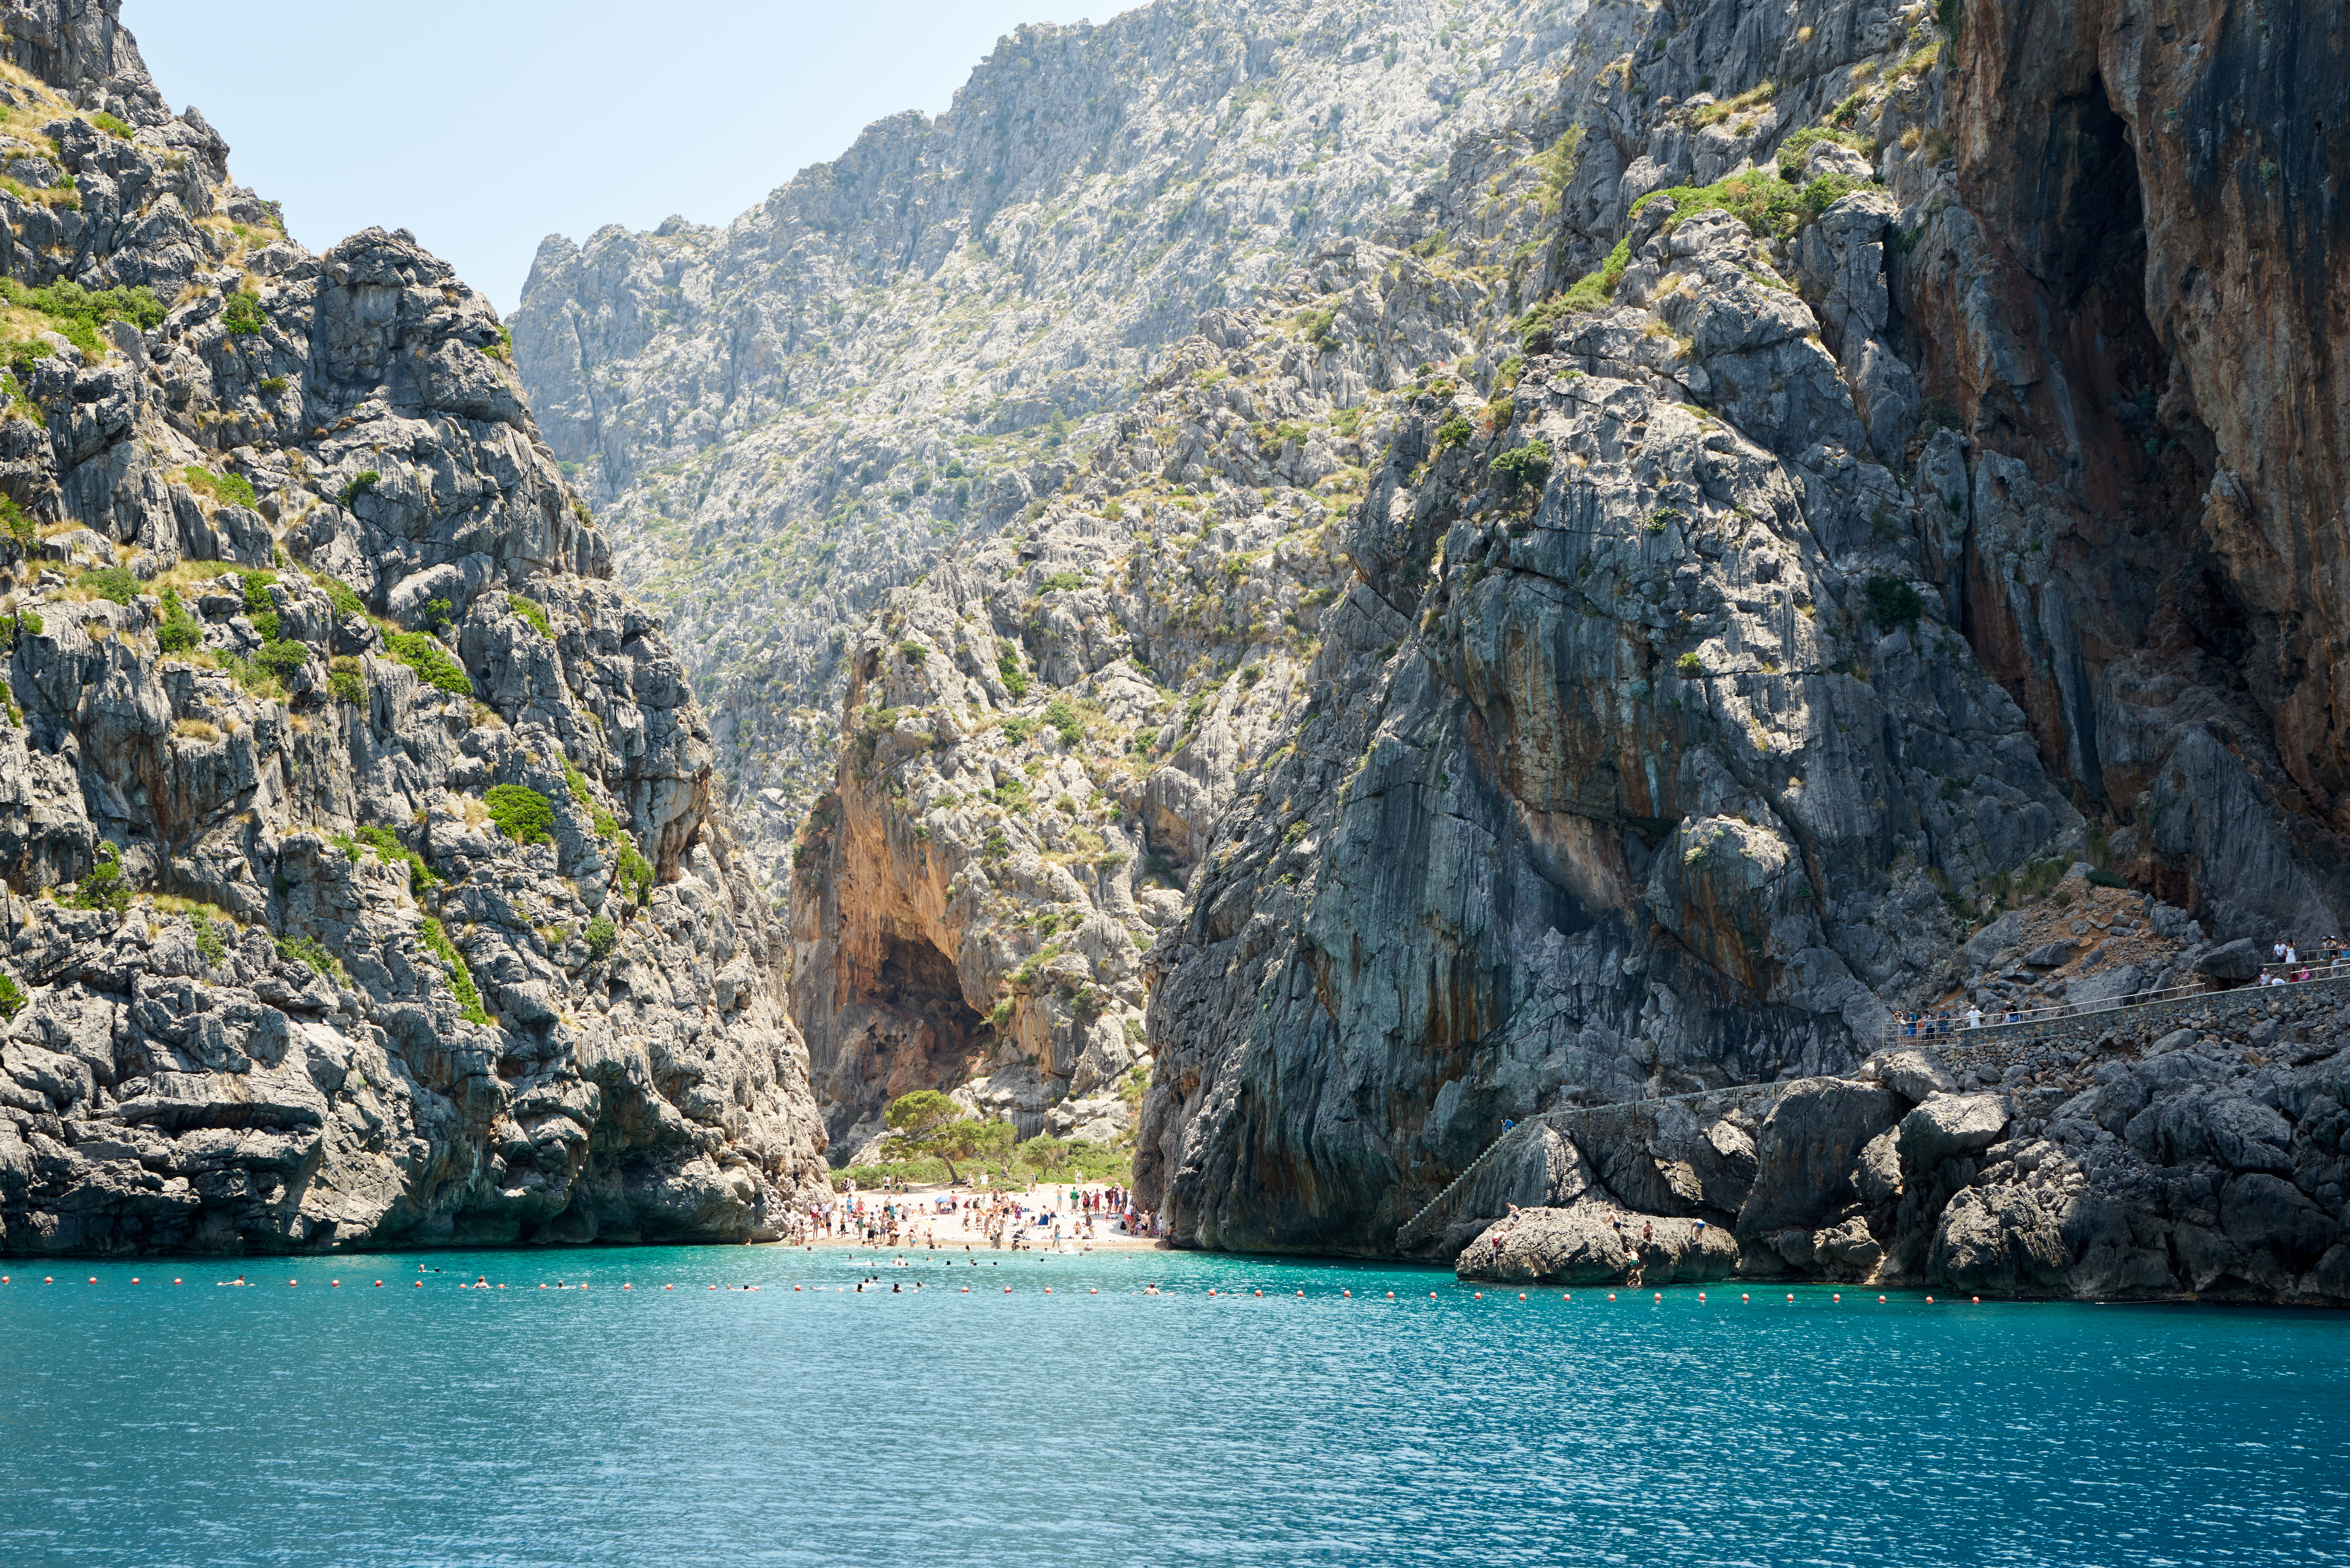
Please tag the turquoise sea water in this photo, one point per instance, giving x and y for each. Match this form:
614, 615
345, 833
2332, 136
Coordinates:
150, 1424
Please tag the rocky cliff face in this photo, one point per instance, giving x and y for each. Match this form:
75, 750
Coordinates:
784, 418
1848, 589
365, 881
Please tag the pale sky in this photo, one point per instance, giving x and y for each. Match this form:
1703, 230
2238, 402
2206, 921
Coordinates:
486, 125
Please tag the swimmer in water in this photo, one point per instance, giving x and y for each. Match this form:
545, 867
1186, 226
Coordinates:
1150, 1289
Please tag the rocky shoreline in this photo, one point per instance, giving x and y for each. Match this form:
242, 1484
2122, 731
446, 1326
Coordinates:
2156, 1162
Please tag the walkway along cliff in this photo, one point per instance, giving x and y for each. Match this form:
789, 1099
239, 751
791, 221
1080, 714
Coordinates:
365, 881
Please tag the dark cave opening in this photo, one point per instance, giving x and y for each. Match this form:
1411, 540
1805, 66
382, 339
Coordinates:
918, 980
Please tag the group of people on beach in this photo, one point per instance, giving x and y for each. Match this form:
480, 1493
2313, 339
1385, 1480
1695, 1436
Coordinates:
1005, 1219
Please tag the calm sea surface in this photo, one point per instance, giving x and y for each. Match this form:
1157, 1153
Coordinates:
150, 1424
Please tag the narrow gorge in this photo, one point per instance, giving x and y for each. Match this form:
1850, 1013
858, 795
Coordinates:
1284, 589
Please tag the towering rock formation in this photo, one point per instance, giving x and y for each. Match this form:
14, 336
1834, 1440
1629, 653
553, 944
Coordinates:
2082, 519
365, 882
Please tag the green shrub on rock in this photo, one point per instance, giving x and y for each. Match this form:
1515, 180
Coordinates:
435, 938
102, 887
283, 660
602, 937
520, 813
114, 582
425, 655
1523, 468
244, 317
1894, 604
233, 488
531, 611
636, 875
177, 631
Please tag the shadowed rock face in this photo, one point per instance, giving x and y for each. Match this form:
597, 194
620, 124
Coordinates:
2137, 318
279, 977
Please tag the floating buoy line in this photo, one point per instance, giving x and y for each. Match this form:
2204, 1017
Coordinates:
872, 1284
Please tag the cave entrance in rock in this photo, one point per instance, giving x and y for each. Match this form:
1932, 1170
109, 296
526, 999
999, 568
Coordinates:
918, 980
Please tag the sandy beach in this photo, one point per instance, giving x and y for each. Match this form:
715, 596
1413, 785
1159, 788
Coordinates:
960, 1228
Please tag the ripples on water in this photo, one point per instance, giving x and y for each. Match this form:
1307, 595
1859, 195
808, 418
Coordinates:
151, 1424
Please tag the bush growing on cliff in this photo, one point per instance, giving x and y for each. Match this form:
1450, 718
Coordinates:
432, 661
531, 611
112, 583
177, 631
1894, 604
76, 313
283, 660
1790, 156
20, 527
389, 849
1761, 202
520, 813
1523, 469
102, 887
602, 937
360, 485
1007, 664
232, 488
309, 953
340, 596
244, 318
636, 873
12, 999
436, 942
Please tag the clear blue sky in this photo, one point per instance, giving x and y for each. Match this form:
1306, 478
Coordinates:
486, 125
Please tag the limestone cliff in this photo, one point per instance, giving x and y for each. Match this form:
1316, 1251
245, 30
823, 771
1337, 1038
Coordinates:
365, 883
784, 417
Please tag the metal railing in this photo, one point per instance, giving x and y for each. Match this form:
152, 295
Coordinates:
1945, 1026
